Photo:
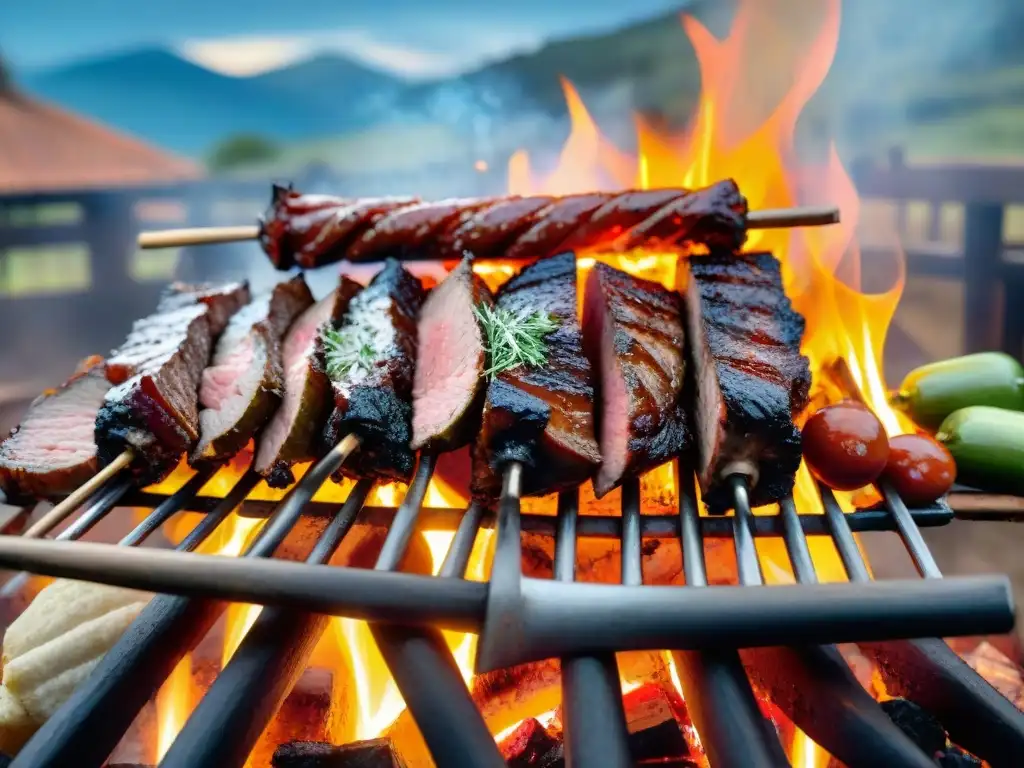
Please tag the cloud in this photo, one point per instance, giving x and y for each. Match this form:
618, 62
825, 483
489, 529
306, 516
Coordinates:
249, 55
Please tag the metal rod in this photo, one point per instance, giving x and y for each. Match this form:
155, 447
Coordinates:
748, 565
815, 688
84, 730
842, 536
229, 719
928, 672
461, 549
423, 667
912, 538
718, 695
99, 508
593, 717
589, 526
168, 508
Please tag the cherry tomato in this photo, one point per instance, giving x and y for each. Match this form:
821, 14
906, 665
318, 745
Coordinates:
919, 469
845, 446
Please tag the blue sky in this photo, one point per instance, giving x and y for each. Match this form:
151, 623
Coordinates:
415, 38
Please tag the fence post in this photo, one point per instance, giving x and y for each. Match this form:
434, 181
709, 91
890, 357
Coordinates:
983, 253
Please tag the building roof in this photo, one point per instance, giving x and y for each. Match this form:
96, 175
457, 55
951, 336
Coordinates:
48, 149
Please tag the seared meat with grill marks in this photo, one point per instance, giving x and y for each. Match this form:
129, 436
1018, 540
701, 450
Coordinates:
744, 340
448, 386
633, 332
154, 410
52, 451
293, 434
370, 360
313, 230
244, 382
542, 417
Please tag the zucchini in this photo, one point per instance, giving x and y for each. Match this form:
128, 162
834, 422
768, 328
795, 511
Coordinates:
932, 392
988, 447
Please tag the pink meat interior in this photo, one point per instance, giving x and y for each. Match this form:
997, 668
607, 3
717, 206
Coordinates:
599, 334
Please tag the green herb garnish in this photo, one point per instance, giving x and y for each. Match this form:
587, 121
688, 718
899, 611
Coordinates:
347, 353
514, 338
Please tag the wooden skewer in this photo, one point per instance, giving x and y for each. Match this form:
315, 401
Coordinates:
773, 218
59, 513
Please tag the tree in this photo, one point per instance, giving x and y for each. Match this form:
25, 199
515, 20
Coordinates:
242, 149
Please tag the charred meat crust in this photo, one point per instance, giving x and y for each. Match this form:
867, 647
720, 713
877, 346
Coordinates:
293, 435
633, 330
376, 405
541, 417
750, 376
449, 377
45, 455
153, 409
258, 329
312, 230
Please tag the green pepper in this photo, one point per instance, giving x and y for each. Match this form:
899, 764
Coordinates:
988, 447
932, 392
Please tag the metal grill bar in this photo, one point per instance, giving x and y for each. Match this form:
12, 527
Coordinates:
813, 685
927, 671
718, 695
89, 725
168, 508
593, 718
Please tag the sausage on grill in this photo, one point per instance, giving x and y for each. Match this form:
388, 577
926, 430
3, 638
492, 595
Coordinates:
310, 231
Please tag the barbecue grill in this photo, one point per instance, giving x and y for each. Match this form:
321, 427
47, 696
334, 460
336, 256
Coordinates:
528, 618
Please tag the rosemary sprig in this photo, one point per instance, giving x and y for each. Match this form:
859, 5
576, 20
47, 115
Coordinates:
347, 353
514, 338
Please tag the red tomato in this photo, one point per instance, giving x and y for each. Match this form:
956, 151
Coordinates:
845, 446
920, 469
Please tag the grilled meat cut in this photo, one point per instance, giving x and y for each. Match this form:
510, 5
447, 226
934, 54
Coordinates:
744, 341
370, 361
312, 230
52, 451
243, 385
542, 417
448, 386
633, 333
153, 409
293, 434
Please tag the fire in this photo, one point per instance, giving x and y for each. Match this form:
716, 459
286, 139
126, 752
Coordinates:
743, 127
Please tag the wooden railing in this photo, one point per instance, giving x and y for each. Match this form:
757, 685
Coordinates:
993, 283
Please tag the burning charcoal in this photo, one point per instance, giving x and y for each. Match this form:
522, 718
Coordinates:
954, 757
531, 746
923, 729
372, 753
657, 725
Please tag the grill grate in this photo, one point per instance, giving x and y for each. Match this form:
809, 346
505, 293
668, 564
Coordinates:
243, 698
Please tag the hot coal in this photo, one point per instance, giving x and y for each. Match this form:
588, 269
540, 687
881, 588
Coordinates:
53, 450
954, 757
542, 417
530, 745
153, 409
744, 339
372, 753
658, 725
293, 434
633, 332
448, 385
244, 383
918, 724
371, 371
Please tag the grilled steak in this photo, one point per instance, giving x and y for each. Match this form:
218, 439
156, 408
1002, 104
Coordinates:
542, 417
52, 451
244, 382
370, 363
293, 434
744, 340
448, 386
633, 332
153, 410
